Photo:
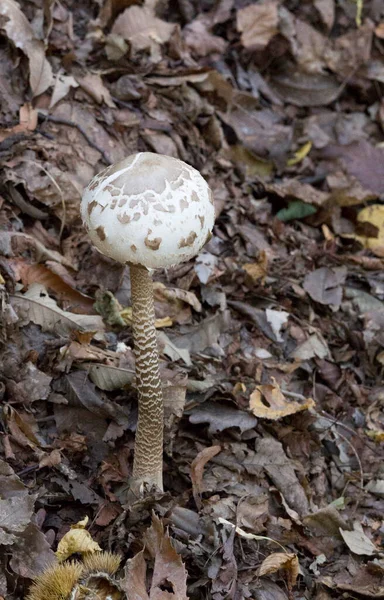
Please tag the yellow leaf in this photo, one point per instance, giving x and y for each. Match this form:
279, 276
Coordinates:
374, 215
268, 402
257, 271
300, 154
76, 541
280, 560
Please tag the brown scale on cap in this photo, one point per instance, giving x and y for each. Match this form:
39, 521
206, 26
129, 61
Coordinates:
91, 206
185, 242
152, 244
101, 232
124, 218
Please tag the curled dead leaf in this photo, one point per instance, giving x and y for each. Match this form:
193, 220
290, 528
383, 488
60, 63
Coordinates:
281, 560
268, 402
76, 540
20, 31
197, 468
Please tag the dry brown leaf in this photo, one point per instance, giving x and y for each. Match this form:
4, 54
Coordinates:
325, 285
169, 571
280, 560
20, 31
268, 402
257, 271
63, 83
144, 31
76, 301
168, 564
36, 306
197, 469
94, 86
27, 122
305, 89
257, 24
199, 39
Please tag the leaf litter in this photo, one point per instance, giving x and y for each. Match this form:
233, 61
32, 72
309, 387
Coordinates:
270, 340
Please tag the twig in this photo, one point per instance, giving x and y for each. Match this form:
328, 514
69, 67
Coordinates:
61, 121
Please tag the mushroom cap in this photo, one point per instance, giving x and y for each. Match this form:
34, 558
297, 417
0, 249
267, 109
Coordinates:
148, 209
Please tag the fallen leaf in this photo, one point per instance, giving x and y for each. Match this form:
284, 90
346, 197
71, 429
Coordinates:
361, 160
144, 31
14, 243
373, 215
280, 560
63, 84
168, 565
109, 378
268, 402
168, 572
28, 117
36, 306
15, 516
197, 469
20, 31
292, 188
324, 285
281, 470
257, 271
76, 541
37, 273
257, 24
305, 89
221, 417
199, 39
172, 350
277, 319
31, 554
81, 392
357, 541
296, 210
94, 86
313, 347
300, 154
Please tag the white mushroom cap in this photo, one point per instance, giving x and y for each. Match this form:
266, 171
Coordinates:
148, 209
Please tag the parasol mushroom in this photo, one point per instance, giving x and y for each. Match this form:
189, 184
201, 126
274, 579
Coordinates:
148, 211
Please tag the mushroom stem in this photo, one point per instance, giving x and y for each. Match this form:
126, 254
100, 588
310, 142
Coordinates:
148, 459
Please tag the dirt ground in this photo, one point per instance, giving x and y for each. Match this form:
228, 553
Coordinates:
271, 340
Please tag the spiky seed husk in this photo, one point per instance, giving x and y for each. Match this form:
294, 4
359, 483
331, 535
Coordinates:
101, 563
56, 583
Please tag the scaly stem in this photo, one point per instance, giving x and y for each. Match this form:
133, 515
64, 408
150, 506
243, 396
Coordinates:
148, 459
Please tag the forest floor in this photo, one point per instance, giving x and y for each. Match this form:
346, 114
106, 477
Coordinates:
272, 345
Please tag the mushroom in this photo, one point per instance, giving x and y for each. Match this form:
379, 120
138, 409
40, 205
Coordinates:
148, 211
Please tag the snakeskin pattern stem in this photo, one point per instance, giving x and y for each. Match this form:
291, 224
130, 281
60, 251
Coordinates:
148, 459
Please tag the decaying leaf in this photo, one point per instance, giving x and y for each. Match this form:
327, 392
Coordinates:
197, 468
36, 306
20, 31
269, 402
221, 417
76, 541
94, 86
257, 24
15, 515
374, 216
169, 571
280, 560
357, 541
325, 285
144, 31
